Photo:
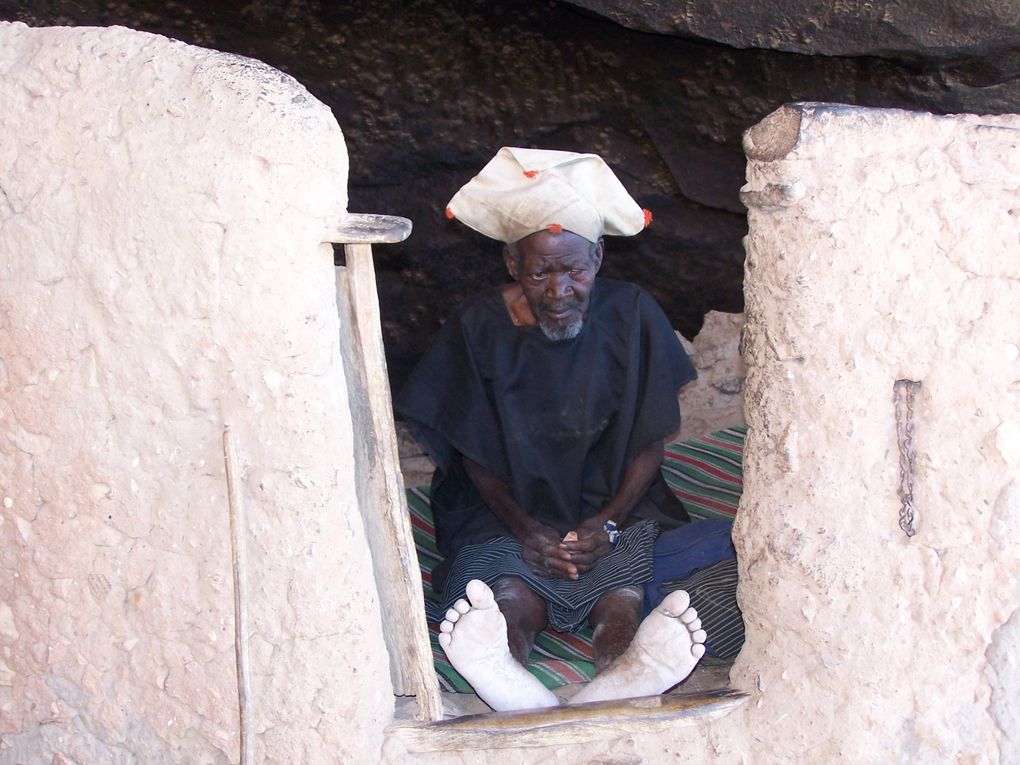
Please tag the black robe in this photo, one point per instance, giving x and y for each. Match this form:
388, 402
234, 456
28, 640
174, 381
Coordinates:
559, 421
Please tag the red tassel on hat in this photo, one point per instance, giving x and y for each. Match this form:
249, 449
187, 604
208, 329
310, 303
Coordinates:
531, 173
449, 213
555, 228
648, 216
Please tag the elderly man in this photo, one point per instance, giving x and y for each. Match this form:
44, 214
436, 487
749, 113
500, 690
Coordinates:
545, 403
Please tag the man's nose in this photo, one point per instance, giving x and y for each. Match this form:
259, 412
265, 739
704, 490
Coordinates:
559, 286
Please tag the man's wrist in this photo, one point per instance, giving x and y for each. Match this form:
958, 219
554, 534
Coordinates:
525, 527
610, 514
612, 531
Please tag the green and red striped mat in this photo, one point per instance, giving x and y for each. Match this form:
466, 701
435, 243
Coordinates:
704, 472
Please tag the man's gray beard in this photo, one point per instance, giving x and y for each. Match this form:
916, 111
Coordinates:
569, 332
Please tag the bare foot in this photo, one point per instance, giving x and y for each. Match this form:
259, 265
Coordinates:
665, 650
473, 634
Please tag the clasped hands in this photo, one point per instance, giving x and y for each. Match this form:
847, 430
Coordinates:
565, 558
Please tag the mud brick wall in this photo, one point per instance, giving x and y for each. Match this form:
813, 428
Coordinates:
162, 272
884, 246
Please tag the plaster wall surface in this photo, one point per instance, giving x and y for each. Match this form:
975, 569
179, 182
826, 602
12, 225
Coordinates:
883, 246
163, 210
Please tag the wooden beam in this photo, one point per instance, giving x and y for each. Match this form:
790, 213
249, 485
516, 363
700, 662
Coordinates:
368, 228
381, 487
567, 724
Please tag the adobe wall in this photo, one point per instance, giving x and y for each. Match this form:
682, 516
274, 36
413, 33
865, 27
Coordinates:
883, 246
162, 272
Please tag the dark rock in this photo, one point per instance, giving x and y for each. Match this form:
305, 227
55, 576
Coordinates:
427, 91
731, 385
914, 29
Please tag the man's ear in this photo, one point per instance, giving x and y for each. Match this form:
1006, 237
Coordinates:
511, 262
596, 254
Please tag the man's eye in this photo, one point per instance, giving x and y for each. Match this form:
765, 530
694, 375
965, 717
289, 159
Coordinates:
539, 276
575, 272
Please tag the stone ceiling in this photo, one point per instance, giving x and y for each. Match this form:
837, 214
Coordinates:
427, 91
909, 29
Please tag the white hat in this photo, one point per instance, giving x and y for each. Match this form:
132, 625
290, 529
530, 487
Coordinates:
522, 191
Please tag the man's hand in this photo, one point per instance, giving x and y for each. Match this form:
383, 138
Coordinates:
541, 543
591, 543
545, 555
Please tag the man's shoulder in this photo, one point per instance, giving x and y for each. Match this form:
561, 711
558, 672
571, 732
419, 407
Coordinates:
625, 307
476, 320
480, 303
614, 289
618, 295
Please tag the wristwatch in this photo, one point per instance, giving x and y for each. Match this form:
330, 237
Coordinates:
613, 532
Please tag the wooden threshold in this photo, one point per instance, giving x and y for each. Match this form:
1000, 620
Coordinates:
566, 724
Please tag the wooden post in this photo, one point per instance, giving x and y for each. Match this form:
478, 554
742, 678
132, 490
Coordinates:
381, 486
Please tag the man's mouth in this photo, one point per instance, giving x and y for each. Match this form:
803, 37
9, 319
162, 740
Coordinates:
559, 313
561, 322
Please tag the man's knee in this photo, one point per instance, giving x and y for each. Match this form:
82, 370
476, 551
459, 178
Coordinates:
622, 605
519, 603
525, 614
512, 587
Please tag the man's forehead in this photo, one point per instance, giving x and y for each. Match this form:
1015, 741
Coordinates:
573, 259
545, 244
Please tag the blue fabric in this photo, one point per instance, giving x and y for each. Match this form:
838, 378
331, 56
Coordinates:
680, 552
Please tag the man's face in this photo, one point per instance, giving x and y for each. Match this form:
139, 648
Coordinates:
556, 272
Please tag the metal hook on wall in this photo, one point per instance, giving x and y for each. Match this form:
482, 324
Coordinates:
904, 394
